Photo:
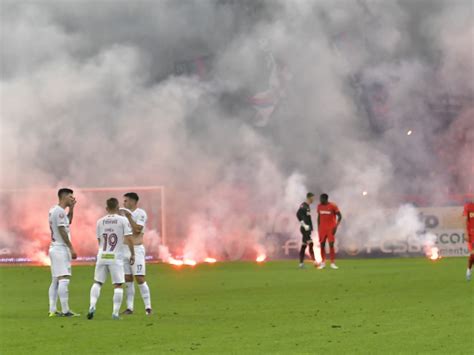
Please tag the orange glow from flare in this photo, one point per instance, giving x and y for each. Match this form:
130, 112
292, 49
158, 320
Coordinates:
189, 262
434, 254
261, 258
43, 259
210, 260
317, 254
175, 262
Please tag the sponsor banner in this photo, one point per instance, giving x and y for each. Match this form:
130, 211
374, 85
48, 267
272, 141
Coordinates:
448, 224
445, 224
283, 239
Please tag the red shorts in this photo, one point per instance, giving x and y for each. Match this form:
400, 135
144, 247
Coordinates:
326, 234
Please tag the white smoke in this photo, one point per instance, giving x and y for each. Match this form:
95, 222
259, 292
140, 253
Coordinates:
89, 99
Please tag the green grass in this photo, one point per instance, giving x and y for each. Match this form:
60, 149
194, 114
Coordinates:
375, 306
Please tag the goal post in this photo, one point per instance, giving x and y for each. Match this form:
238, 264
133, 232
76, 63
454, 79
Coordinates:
145, 190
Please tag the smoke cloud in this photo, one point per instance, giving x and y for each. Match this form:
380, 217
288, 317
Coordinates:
239, 108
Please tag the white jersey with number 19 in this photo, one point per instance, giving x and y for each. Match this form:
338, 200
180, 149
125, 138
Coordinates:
111, 231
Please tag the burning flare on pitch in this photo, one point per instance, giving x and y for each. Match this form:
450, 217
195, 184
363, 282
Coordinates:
433, 253
317, 254
261, 258
42, 258
210, 260
175, 262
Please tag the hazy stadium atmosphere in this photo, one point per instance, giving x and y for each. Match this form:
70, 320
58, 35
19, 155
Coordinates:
221, 115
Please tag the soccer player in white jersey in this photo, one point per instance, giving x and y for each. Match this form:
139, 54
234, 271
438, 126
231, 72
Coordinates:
61, 252
114, 234
137, 218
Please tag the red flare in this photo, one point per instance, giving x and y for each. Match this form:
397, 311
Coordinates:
42, 258
175, 262
434, 254
261, 258
317, 254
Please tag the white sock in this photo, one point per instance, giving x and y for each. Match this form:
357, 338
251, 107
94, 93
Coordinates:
145, 291
53, 294
95, 294
63, 292
118, 296
130, 295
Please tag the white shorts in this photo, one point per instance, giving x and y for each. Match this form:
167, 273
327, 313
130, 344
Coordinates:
60, 261
138, 268
112, 267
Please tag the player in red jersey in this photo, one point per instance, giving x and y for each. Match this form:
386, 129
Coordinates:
329, 218
469, 215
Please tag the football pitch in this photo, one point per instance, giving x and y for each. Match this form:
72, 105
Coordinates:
377, 306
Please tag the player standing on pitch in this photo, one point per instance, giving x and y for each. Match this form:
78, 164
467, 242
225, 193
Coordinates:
304, 217
137, 218
61, 252
113, 233
327, 228
469, 214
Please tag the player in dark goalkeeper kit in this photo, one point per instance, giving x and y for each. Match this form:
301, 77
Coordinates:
304, 217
